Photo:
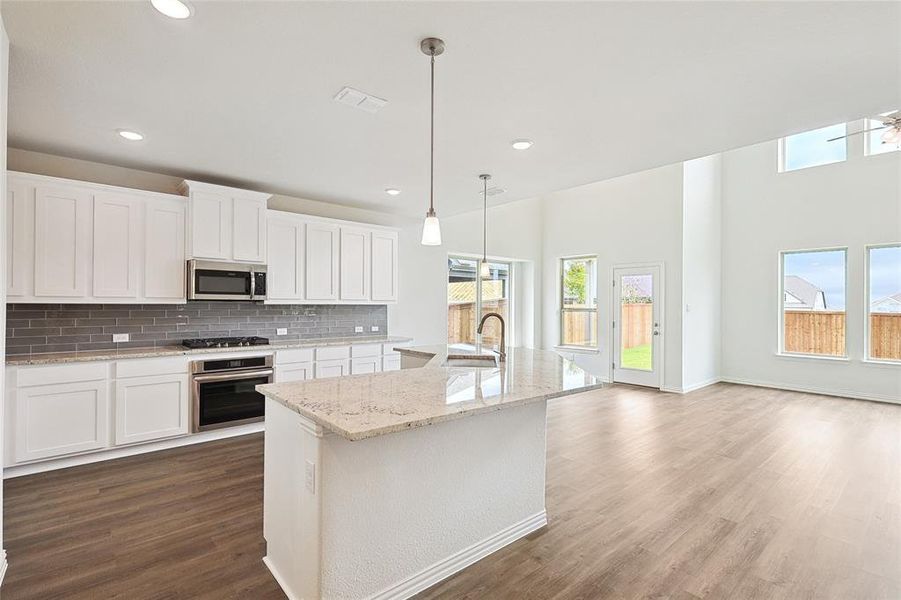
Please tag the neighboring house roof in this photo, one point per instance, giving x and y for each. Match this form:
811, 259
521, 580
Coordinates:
801, 294
889, 304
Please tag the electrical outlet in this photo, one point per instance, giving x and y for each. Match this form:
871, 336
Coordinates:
374, 328
120, 337
310, 476
281, 331
358, 329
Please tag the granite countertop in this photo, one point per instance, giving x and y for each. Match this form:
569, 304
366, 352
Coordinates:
357, 407
73, 357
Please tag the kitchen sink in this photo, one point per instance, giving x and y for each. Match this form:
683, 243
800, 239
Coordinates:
471, 360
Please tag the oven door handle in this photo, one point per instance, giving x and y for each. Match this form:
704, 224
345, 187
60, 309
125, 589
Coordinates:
233, 376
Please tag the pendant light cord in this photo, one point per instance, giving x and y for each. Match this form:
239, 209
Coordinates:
432, 144
484, 219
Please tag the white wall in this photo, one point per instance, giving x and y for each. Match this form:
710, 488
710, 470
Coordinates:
702, 271
632, 219
851, 204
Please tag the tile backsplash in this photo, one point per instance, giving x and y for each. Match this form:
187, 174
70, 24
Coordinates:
35, 328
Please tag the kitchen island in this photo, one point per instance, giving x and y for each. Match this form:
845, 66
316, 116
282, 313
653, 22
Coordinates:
380, 485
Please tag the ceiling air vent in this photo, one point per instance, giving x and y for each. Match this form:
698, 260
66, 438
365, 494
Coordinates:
361, 100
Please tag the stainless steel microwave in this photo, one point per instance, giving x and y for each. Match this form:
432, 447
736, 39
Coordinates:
210, 280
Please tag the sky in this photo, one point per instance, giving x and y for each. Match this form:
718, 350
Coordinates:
811, 148
826, 270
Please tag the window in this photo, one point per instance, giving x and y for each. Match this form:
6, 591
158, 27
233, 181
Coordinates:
812, 148
873, 139
579, 302
884, 302
470, 297
813, 302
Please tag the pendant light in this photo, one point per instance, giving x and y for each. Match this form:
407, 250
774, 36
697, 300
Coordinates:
484, 269
431, 229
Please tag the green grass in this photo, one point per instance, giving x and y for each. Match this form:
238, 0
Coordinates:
638, 357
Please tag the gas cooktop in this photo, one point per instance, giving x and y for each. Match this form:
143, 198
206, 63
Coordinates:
224, 342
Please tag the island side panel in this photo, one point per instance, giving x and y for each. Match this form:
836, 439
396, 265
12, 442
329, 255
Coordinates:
291, 510
428, 499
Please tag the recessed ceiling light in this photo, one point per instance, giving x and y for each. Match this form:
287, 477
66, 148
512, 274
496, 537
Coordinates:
131, 136
522, 144
392, 192
173, 8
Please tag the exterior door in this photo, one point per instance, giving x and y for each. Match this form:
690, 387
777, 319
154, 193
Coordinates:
637, 326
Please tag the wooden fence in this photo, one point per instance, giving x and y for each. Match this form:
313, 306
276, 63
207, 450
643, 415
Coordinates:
637, 322
815, 332
885, 335
462, 323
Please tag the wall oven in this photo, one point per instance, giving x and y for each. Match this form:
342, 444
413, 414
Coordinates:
224, 391
210, 280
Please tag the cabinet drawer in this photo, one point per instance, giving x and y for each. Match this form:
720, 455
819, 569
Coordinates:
365, 365
361, 350
333, 353
49, 375
298, 355
151, 367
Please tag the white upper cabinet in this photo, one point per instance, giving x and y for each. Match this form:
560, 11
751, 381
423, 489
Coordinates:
384, 266
117, 247
78, 242
62, 234
226, 223
164, 255
322, 261
354, 267
287, 252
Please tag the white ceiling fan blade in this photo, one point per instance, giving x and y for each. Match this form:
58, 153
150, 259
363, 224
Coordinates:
841, 137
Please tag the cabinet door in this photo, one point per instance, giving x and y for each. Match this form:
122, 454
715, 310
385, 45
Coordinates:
322, 261
249, 230
384, 266
354, 265
286, 259
61, 241
391, 362
332, 368
53, 420
150, 408
117, 245
294, 372
211, 225
370, 364
164, 250
19, 238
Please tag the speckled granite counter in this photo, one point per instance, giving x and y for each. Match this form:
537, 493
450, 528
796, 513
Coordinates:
364, 406
73, 357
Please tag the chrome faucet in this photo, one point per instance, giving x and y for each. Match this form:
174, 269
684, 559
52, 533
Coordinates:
502, 350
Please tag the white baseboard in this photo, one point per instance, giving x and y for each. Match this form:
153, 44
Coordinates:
3, 565
111, 453
691, 388
853, 395
443, 569
279, 579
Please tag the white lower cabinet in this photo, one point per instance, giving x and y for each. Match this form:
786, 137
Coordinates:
391, 362
293, 372
369, 364
151, 408
64, 418
332, 368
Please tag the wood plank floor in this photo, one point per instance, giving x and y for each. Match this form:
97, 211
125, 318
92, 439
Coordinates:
728, 492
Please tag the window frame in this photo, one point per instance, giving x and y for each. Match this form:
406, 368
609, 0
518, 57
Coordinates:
560, 343
510, 330
781, 154
867, 357
867, 138
780, 348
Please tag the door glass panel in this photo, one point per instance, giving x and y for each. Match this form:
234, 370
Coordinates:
637, 321
461, 301
495, 299
223, 401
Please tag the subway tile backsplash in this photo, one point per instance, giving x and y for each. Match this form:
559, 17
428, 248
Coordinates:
36, 328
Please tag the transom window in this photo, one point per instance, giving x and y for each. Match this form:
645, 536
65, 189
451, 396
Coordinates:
813, 148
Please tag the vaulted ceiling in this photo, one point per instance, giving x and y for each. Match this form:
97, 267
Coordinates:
242, 92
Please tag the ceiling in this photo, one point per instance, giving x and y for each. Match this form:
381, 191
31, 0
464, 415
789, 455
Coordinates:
241, 93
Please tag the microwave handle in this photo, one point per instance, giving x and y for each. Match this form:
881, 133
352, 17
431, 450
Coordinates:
253, 284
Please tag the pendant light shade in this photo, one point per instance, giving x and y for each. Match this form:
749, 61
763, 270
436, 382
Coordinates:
431, 229
484, 269
892, 136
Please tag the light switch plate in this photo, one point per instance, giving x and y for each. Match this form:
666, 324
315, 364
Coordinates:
374, 328
281, 331
358, 329
120, 337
